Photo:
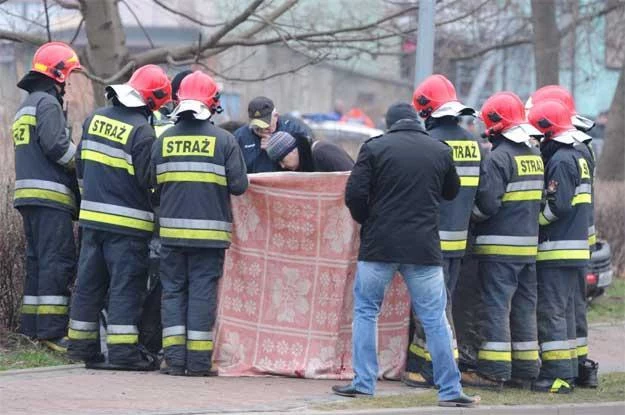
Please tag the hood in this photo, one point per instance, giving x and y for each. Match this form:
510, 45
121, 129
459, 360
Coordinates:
126, 95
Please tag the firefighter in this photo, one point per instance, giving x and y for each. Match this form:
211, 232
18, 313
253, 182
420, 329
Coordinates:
46, 194
506, 215
563, 251
436, 102
117, 221
197, 167
587, 369
161, 118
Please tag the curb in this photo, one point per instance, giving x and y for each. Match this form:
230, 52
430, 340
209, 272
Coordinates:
45, 369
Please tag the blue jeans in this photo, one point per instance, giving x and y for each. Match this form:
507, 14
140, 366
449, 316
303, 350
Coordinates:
426, 286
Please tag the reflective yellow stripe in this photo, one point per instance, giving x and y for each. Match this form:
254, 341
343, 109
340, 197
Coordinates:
525, 354
52, 309
505, 250
556, 355
582, 350
29, 309
522, 195
174, 341
107, 160
195, 234
493, 355
469, 181
424, 354
178, 176
27, 119
573, 353
117, 220
581, 198
44, 194
563, 254
122, 338
592, 239
200, 345
82, 335
542, 219
453, 245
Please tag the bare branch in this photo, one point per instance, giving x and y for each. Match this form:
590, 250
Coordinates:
186, 16
22, 17
22, 37
502, 45
45, 9
134, 15
77, 32
462, 16
68, 4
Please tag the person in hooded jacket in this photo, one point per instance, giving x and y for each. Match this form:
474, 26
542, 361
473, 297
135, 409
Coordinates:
436, 101
506, 215
588, 369
117, 221
46, 194
563, 250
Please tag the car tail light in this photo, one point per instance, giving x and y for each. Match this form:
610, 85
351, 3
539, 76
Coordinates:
591, 279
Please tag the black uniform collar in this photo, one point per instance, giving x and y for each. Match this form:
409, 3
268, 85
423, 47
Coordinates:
549, 147
433, 122
406, 124
36, 82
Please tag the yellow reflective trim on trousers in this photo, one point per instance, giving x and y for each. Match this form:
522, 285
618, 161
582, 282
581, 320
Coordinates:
556, 355
117, 220
44, 194
200, 345
505, 250
582, 350
122, 338
582, 198
107, 160
29, 309
592, 239
522, 195
573, 353
563, 254
493, 355
174, 341
82, 335
195, 234
453, 245
179, 176
469, 181
525, 355
424, 354
52, 309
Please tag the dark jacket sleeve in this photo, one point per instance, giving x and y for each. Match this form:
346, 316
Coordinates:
141, 155
451, 181
53, 134
236, 172
560, 179
155, 198
493, 182
359, 184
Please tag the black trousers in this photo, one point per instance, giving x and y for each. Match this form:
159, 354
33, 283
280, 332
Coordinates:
115, 265
509, 346
189, 277
418, 359
556, 321
50, 270
581, 324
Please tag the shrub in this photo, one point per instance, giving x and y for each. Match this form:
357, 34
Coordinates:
610, 219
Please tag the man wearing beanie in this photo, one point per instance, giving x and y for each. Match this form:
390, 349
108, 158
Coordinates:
394, 191
290, 154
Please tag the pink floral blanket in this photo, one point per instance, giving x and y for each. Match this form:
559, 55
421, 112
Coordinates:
285, 302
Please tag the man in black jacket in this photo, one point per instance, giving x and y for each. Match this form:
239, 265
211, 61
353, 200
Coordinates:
394, 191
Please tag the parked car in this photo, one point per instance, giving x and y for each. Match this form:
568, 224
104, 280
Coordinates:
600, 271
349, 136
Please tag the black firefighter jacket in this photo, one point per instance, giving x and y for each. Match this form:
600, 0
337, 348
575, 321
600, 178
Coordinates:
395, 190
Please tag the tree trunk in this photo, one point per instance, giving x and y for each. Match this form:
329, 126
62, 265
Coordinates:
612, 163
546, 42
107, 51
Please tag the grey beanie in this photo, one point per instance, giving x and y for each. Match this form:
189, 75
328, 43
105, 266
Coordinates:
280, 144
400, 111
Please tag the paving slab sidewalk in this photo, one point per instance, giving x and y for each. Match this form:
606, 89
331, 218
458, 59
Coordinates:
72, 389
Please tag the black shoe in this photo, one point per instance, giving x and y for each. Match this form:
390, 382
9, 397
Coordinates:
480, 381
201, 373
588, 374
58, 345
462, 401
171, 370
552, 386
349, 391
516, 383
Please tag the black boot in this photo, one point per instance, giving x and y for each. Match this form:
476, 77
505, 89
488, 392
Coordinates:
588, 374
552, 386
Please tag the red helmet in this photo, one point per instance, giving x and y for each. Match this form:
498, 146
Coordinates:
561, 94
55, 60
151, 82
502, 111
551, 117
198, 86
433, 93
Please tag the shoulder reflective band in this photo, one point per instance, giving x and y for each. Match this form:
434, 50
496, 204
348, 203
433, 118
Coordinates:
44, 189
529, 165
116, 215
22, 123
107, 155
110, 129
523, 190
584, 170
557, 250
465, 150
